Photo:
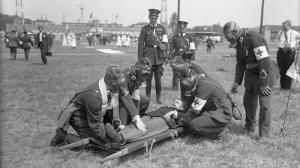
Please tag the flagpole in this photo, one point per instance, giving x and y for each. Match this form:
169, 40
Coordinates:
262, 17
178, 11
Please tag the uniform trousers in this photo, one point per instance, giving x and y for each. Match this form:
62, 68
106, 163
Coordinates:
203, 124
13, 52
26, 52
251, 96
284, 61
157, 70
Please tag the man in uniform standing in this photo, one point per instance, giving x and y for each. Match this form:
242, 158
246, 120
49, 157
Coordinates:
287, 43
153, 44
27, 41
180, 44
254, 61
42, 43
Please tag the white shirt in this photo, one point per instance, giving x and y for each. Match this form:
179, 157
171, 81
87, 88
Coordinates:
41, 36
290, 40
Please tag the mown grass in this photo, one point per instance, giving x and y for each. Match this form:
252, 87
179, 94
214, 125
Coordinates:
32, 94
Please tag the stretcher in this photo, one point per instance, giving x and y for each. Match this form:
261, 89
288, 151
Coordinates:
146, 142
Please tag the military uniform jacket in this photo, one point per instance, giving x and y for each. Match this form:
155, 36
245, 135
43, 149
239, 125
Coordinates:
90, 103
27, 41
13, 40
150, 39
180, 44
252, 55
130, 80
218, 105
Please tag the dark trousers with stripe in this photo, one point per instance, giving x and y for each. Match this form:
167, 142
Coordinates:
284, 61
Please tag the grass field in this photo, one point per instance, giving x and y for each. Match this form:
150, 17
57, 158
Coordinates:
32, 94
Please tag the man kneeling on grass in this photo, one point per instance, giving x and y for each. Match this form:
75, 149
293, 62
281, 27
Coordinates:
91, 111
207, 107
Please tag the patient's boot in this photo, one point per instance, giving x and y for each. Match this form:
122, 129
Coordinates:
112, 134
59, 137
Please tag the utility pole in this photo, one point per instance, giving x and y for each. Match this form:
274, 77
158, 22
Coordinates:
262, 17
178, 11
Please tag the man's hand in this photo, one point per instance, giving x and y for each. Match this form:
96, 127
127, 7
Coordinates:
179, 104
171, 114
234, 87
140, 124
265, 90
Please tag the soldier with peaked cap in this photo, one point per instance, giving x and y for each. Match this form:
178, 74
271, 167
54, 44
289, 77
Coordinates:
287, 43
181, 44
152, 43
26, 42
91, 111
253, 62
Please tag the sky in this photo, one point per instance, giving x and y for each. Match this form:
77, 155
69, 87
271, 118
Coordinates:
197, 12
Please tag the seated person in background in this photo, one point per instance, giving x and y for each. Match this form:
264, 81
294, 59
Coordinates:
91, 111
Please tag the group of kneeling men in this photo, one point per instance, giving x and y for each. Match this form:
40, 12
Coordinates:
112, 109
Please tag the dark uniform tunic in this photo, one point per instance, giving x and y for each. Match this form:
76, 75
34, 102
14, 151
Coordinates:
252, 59
132, 86
212, 119
180, 44
13, 42
151, 37
26, 42
88, 121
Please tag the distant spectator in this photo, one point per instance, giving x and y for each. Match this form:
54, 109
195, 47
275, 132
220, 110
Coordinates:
287, 43
42, 43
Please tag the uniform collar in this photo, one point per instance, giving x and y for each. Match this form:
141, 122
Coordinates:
153, 25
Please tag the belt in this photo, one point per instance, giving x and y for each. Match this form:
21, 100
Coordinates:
286, 49
180, 49
151, 46
250, 66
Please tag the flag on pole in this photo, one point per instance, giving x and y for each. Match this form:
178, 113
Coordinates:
117, 16
91, 15
293, 72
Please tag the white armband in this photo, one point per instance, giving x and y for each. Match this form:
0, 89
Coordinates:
261, 52
164, 38
198, 104
192, 46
